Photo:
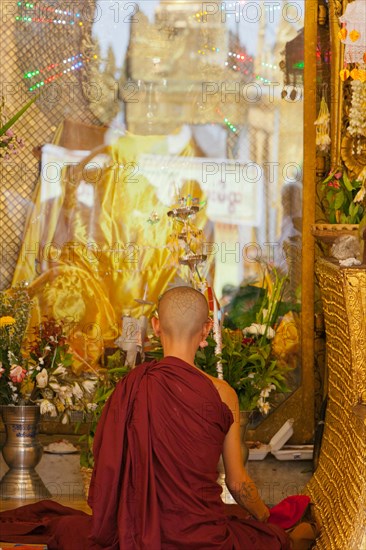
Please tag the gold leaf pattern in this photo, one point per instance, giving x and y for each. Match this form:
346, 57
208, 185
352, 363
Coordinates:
337, 487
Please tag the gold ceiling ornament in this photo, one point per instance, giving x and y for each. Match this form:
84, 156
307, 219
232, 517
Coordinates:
177, 73
101, 81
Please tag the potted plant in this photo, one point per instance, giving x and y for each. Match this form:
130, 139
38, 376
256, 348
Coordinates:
343, 203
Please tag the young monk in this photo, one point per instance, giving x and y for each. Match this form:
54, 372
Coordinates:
157, 448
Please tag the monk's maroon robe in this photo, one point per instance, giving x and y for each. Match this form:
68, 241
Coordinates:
156, 452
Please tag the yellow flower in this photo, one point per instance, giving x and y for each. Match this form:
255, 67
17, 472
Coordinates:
354, 35
342, 34
6, 321
344, 74
355, 74
286, 340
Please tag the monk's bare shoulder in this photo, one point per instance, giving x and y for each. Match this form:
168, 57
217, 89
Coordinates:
227, 392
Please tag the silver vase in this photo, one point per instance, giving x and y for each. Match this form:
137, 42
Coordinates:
22, 452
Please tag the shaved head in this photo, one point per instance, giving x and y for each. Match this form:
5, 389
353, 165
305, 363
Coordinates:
183, 311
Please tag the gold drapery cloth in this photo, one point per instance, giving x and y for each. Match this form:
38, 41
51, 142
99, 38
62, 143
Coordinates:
86, 262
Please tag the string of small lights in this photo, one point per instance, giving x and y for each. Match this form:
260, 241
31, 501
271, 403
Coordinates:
75, 67
227, 121
47, 14
31, 74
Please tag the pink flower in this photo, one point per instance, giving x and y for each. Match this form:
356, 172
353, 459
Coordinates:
334, 184
17, 374
247, 341
9, 133
338, 175
203, 344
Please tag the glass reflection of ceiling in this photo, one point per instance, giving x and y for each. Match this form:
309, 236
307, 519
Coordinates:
246, 19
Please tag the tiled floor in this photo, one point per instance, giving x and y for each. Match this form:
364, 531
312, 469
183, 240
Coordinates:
275, 479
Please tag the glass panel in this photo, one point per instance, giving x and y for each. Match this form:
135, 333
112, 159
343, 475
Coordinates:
203, 108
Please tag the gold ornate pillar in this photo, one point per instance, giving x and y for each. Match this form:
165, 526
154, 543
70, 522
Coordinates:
338, 486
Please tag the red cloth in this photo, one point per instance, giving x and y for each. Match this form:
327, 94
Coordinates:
289, 511
156, 452
37, 523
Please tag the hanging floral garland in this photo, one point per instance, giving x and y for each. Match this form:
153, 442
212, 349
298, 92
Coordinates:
353, 36
357, 113
322, 124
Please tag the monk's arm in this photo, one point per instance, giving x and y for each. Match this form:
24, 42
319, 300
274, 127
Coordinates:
239, 483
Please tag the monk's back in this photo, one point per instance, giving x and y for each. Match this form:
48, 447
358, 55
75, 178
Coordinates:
188, 424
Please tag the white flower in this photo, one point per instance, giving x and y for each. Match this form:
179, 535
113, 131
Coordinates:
41, 361
55, 386
258, 330
89, 385
264, 408
267, 390
64, 394
47, 407
91, 406
65, 419
60, 370
360, 195
251, 375
42, 378
77, 391
47, 348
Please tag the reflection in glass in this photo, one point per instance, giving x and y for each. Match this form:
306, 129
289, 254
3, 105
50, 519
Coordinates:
200, 100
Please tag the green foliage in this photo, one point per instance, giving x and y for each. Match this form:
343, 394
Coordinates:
341, 202
244, 307
5, 127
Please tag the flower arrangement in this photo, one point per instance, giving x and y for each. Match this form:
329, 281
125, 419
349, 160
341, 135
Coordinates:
248, 362
344, 199
38, 371
14, 314
50, 379
9, 142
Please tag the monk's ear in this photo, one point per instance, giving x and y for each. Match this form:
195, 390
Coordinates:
155, 323
207, 327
